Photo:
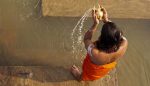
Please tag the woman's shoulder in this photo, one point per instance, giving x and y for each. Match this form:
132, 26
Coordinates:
98, 56
121, 51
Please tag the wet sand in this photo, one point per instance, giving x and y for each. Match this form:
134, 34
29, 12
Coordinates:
42, 45
45, 76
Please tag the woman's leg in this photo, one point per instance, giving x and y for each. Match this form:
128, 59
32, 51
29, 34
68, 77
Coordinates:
76, 72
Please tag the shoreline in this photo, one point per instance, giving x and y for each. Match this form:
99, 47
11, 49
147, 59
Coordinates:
44, 76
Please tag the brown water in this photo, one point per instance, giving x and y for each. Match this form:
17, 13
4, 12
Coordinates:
28, 38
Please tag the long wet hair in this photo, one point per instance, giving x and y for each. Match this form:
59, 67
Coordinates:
110, 38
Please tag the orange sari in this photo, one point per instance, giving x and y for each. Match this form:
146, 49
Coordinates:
91, 71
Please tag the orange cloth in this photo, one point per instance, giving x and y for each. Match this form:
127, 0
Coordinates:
91, 71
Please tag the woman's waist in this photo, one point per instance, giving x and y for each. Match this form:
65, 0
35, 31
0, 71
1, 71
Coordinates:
98, 64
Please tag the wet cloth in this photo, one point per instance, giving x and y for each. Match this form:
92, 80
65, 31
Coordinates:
91, 71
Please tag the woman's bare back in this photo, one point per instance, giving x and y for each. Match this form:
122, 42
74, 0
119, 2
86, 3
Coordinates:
100, 57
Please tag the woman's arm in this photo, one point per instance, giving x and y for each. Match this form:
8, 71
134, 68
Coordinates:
88, 35
105, 15
121, 51
123, 47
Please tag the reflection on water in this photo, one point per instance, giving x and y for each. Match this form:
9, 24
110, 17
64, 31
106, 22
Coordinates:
27, 38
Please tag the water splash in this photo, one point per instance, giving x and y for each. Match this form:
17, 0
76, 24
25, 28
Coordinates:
77, 36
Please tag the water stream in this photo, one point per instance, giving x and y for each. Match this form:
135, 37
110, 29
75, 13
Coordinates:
77, 36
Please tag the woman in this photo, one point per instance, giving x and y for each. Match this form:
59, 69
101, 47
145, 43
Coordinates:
103, 53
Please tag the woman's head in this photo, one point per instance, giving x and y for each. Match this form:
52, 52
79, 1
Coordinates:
110, 37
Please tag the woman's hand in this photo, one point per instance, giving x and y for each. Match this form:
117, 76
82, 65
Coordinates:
95, 16
105, 15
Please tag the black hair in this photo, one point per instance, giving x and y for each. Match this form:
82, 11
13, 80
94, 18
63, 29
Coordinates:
110, 38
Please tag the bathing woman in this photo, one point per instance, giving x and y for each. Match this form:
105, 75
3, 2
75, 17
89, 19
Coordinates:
103, 53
